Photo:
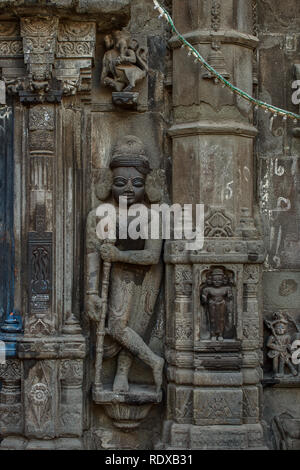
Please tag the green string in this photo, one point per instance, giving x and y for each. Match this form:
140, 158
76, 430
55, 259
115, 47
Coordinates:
233, 88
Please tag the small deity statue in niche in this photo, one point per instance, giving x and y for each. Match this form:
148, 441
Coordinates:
137, 268
124, 65
279, 345
217, 297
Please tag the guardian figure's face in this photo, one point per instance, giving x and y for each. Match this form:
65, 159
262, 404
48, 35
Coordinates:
130, 183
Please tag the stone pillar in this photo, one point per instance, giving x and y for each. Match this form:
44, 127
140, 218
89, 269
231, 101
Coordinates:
58, 56
213, 377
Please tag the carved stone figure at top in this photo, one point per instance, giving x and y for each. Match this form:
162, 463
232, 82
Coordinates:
136, 271
217, 297
279, 345
124, 64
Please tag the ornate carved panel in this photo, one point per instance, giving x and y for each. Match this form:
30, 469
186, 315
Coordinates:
218, 224
11, 418
212, 406
71, 399
58, 57
40, 398
40, 276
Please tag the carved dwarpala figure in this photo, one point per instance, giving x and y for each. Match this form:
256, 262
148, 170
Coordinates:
217, 297
136, 271
124, 64
279, 344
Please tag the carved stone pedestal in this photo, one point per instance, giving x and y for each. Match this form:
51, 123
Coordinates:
128, 409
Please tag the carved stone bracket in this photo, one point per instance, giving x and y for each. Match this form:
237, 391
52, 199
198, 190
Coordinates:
127, 410
75, 54
58, 57
218, 224
39, 44
215, 15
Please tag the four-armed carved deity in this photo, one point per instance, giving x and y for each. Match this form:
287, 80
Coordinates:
124, 65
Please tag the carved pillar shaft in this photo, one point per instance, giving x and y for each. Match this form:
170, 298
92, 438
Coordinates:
42, 158
52, 59
213, 136
71, 373
179, 341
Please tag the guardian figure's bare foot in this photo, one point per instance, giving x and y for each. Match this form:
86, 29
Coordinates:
158, 373
121, 383
121, 378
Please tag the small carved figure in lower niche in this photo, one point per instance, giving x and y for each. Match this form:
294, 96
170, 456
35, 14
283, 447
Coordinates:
279, 344
217, 297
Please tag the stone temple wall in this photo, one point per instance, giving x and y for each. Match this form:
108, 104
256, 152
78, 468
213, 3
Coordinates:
277, 151
148, 344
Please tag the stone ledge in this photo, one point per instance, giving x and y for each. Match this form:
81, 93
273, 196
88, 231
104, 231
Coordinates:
287, 381
225, 37
20, 443
216, 250
138, 395
207, 127
108, 13
82, 6
60, 347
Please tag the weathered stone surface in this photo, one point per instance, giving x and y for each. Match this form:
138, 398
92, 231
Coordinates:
82, 6
148, 344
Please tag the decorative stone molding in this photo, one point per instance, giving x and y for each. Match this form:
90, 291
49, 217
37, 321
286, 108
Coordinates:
224, 37
11, 418
75, 46
40, 276
215, 15
218, 224
53, 347
229, 250
70, 416
40, 399
183, 327
58, 57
